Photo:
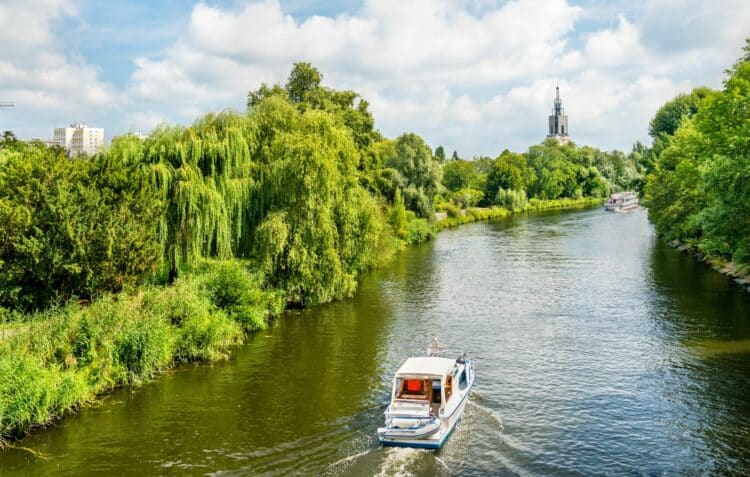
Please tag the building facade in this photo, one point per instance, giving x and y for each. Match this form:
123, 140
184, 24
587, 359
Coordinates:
79, 138
558, 121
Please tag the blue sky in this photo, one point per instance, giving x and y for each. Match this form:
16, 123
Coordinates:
477, 76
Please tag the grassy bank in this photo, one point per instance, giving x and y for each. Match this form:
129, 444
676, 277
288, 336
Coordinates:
64, 357
457, 217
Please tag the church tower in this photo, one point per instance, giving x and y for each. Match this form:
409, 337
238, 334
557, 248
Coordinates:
558, 121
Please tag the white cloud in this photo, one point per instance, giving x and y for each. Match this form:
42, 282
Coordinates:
38, 75
616, 46
418, 63
474, 75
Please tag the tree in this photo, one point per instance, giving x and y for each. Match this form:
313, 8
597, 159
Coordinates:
454, 156
668, 118
74, 227
413, 159
509, 171
458, 174
303, 80
440, 154
322, 229
397, 216
698, 191
255, 97
9, 139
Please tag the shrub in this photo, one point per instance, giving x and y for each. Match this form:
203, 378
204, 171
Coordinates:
419, 231
450, 209
466, 198
514, 200
233, 289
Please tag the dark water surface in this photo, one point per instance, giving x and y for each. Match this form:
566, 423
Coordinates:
599, 350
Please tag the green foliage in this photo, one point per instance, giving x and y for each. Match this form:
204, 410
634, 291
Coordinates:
458, 175
466, 198
303, 81
440, 154
418, 231
412, 158
304, 90
508, 171
143, 348
397, 216
698, 191
204, 175
452, 210
64, 357
513, 200
73, 227
323, 228
236, 291
670, 116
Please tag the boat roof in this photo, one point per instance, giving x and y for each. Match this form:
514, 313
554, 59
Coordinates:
426, 366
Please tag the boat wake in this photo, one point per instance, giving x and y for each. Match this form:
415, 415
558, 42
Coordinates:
492, 414
399, 460
349, 459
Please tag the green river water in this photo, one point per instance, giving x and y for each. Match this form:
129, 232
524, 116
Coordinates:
598, 349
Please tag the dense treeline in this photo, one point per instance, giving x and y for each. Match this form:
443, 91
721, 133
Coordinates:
697, 189
547, 171
302, 184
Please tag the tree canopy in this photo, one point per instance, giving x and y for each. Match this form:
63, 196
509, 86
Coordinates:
698, 190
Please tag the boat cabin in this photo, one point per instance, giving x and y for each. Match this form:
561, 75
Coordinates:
426, 380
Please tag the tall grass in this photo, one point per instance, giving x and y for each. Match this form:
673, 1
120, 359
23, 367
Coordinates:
66, 356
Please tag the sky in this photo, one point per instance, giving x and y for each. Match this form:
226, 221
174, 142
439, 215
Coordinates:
476, 76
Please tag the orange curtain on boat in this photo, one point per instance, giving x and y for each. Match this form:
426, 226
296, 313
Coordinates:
415, 386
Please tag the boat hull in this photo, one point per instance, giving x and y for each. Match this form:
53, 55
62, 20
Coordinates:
623, 208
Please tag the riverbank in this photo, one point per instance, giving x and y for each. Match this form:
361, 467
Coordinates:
57, 360
475, 214
741, 275
62, 358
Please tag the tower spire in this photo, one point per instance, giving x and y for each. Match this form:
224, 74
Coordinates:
558, 121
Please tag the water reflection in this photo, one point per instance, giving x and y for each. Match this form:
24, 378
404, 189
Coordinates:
706, 320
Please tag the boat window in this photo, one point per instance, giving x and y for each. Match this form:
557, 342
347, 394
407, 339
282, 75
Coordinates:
462, 381
448, 386
436, 397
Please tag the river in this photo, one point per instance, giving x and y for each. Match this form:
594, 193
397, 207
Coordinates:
598, 349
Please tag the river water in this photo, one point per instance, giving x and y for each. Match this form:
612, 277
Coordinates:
598, 349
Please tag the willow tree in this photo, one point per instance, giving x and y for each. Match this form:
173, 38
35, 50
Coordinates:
205, 176
322, 228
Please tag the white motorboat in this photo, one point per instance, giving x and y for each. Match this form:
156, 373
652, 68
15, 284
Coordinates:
427, 399
622, 201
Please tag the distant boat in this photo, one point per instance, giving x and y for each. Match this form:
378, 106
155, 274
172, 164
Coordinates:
428, 397
622, 201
